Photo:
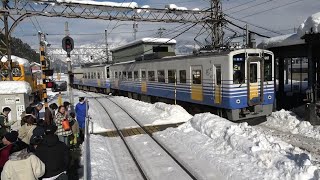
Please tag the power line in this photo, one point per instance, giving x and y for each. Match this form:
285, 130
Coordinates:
239, 5
272, 8
258, 26
38, 23
34, 25
261, 35
268, 1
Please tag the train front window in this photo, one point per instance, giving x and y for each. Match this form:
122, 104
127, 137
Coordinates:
239, 68
4, 72
253, 73
16, 72
267, 67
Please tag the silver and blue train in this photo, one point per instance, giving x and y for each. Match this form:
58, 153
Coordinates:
237, 84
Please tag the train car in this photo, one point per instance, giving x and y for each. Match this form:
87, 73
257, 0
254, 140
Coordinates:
92, 78
236, 84
21, 71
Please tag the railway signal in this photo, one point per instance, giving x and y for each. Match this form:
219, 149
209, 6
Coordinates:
67, 44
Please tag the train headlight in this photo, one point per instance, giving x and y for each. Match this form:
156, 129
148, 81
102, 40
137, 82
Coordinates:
238, 101
269, 97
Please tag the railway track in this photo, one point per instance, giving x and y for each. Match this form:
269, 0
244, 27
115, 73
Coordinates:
147, 131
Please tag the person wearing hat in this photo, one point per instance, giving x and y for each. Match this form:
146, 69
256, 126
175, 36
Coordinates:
54, 154
81, 112
8, 140
22, 164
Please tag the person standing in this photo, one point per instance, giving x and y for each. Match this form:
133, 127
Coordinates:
50, 113
26, 131
61, 132
37, 110
23, 165
81, 111
4, 121
8, 140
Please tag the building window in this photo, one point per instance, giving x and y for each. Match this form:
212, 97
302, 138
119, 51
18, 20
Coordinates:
160, 49
130, 75
151, 76
196, 77
143, 75
171, 76
136, 75
183, 76
161, 76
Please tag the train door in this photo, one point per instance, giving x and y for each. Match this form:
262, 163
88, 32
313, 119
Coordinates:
196, 83
217, 84
255, 80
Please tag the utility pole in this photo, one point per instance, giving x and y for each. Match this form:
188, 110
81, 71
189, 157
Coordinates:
7, 39
44, 66
135, 30
160, 32
107, 45
216, 26
70, 75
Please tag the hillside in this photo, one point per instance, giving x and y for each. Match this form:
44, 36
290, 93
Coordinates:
21, 49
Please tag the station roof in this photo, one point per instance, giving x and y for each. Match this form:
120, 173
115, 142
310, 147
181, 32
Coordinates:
165, 41
16, 59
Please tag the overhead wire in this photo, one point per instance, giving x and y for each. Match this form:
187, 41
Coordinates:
234, 7
266, 2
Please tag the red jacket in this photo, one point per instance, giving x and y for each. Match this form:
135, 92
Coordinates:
4, 154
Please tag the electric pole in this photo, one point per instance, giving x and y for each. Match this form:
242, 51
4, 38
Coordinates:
135, 30
160, 32
216, 26
7, 39
107, 45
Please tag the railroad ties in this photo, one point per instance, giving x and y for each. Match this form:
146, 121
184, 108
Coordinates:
138, 130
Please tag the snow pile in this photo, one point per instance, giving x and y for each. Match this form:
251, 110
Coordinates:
310, 25
143, 9
240, 151
11, 87
155, 114
16, 59
175, 7
101, 3
278, 41
287, 121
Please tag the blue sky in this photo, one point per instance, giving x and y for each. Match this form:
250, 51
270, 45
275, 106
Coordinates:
282, 20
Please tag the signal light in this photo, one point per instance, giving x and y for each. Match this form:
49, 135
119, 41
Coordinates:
49, 84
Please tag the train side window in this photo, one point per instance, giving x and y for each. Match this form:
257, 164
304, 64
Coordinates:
108, 73
136, 75
253, 73
130, 75
116, 75
196, 77
124, 75
183, 76
218, 74
91, 75
143, 75
120, 75
171, 76
268, 67
151, 76
94, 75
98, 74
161, 76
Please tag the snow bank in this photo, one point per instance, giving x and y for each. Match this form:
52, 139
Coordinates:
11, 87
310, 25
240, 151
154, 114
101, 3
278, 41
287, 121
16, 59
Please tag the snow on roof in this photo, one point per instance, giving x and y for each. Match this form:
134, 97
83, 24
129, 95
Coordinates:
278, 41
101, 3
175, 7
35, 64
310, 25
11, 87
147, 40
17, 59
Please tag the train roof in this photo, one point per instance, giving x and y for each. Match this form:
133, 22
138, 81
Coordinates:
164, 41
16, 59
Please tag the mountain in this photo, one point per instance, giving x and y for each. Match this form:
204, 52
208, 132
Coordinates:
20, 49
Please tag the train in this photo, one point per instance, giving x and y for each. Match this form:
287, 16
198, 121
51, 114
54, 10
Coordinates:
21, 71
237, 85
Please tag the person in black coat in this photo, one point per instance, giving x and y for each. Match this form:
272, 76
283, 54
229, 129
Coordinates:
54, 154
